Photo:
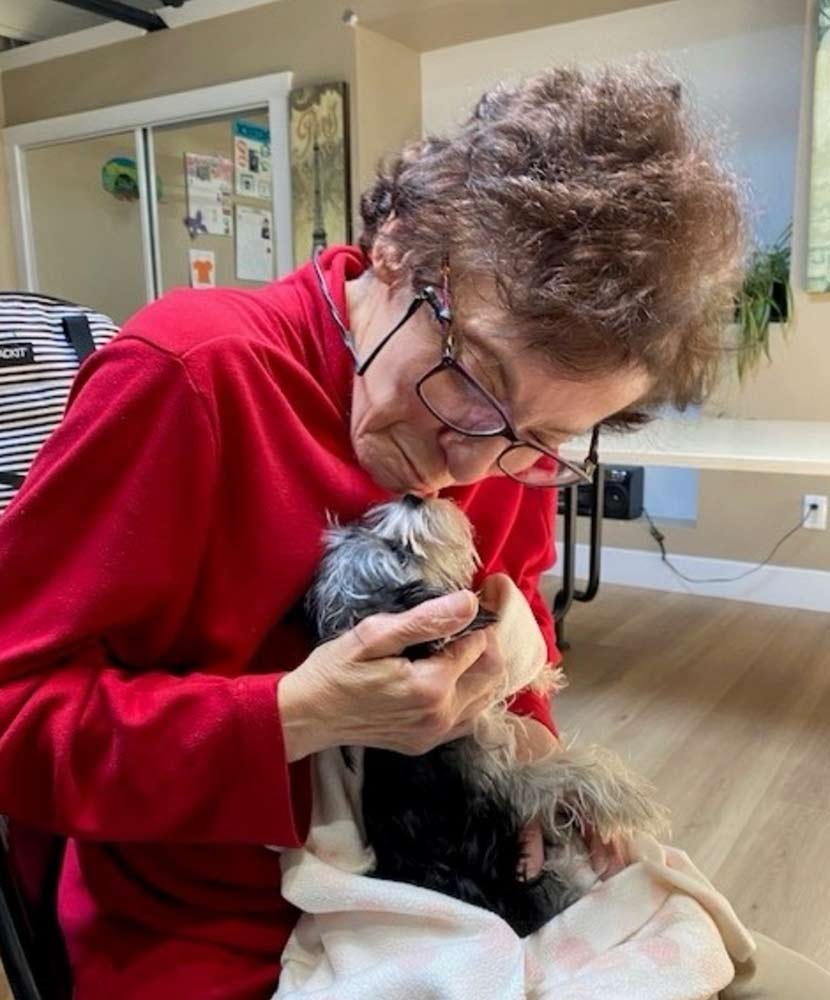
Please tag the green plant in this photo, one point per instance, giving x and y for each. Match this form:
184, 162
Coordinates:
766, 297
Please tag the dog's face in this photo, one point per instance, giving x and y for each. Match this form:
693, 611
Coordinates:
400, 554
434, 535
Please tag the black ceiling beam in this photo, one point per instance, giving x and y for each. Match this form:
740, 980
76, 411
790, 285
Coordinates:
115, 10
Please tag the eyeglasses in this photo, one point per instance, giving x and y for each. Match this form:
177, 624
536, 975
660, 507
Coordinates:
456, 398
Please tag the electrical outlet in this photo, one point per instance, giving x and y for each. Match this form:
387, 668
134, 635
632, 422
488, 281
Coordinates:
817, 519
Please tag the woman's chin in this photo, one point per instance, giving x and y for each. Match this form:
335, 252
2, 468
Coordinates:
397, 474
399, 483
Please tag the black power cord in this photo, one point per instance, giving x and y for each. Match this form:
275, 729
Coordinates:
660, 538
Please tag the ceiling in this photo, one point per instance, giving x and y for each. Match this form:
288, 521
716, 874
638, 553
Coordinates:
34, 20
420, 24
434, 24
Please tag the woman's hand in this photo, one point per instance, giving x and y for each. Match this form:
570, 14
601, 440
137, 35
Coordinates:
358, 689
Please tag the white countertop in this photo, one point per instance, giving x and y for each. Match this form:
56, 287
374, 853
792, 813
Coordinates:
791, 446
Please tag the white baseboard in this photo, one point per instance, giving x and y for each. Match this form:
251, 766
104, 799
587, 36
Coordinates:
783, 586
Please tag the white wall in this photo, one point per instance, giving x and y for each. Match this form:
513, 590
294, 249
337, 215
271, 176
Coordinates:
740, 60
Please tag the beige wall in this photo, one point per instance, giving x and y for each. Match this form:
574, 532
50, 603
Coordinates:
8, 264
388, 98
740, 516
436, 24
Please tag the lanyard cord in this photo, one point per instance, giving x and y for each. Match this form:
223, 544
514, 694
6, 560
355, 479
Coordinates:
347, 335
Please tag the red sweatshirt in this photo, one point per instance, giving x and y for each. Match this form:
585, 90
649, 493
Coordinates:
153, 568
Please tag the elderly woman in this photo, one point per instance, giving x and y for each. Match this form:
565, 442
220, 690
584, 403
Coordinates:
558, 265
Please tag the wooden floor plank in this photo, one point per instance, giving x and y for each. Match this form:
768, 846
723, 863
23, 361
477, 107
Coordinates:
726, 708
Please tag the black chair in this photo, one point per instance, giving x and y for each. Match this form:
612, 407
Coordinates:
31, 944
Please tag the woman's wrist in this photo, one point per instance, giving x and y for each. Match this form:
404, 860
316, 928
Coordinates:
304, 732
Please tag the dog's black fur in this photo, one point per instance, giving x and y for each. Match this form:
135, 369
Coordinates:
430, 827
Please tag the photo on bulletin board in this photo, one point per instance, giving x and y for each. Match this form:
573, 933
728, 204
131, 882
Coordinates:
202, 268
208, 181
254, 244
319, 168
818, 250
252, 159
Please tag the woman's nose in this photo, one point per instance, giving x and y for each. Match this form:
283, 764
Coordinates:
468, 458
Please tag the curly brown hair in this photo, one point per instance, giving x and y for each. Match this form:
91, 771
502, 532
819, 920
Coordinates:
603, 211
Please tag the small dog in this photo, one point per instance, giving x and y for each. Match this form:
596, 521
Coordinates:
451, 819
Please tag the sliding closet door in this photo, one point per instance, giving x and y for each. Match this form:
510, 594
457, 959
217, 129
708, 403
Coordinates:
113, 207
86, 222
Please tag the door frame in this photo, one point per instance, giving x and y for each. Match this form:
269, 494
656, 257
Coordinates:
141, 117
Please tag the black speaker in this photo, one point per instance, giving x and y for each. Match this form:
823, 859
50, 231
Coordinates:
622, 491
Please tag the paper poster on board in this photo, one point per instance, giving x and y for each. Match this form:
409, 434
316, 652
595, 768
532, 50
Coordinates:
202, 269
252, 159
208, 181
254, 244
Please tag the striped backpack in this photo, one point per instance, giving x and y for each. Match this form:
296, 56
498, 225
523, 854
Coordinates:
43, 340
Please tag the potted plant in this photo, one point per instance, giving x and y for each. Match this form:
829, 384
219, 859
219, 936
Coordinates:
766, 297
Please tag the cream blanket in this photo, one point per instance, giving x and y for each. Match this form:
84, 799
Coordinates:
658, 930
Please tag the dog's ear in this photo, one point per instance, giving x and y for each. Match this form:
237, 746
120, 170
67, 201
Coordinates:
483, 618
410, 595
416, 593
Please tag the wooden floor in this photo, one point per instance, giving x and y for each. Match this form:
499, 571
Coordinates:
726, 708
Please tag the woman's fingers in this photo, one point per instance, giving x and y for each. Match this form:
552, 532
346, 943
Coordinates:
375, 697
390, 634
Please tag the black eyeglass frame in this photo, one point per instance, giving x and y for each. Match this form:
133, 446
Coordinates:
580, 472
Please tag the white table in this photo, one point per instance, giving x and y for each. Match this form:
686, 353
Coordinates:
797, 447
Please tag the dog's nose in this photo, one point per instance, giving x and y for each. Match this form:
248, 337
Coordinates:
410, 500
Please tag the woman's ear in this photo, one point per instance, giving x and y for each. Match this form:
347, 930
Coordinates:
385, 255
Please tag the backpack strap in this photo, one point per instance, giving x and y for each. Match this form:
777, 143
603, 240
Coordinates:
76, 329
79, 336
13, 479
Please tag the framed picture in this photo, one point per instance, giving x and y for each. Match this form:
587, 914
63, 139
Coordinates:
320, 168
818, 247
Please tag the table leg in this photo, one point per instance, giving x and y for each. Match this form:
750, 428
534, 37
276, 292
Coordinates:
595, 550
568, 593
564, 598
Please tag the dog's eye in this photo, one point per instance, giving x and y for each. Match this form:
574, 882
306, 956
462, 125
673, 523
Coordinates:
564, 817
402, 554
